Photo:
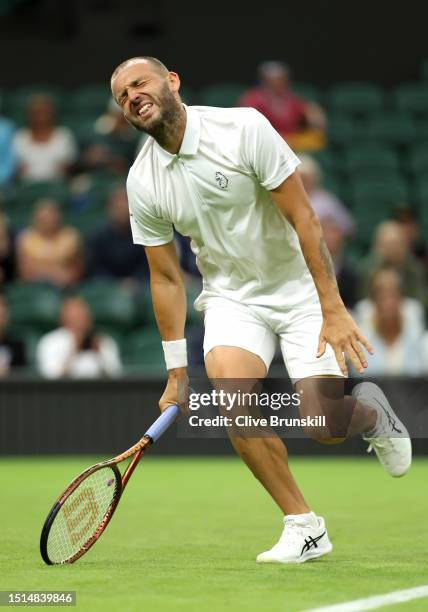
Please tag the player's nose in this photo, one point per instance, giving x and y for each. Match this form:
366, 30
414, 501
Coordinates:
135, 98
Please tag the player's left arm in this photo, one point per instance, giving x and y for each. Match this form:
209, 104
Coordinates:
338, 329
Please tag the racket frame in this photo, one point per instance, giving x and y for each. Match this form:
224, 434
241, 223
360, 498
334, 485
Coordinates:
137, 450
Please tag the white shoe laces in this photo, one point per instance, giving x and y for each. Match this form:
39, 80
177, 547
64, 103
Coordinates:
383, 444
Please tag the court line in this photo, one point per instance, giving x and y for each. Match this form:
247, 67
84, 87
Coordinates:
376, 601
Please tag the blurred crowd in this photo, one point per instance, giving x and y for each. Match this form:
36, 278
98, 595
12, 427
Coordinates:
64, 226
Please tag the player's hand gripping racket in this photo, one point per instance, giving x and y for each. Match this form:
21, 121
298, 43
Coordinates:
85, 508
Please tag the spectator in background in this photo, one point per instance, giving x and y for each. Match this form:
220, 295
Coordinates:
117, 133
110, 251
12, 350
110, 148
346, 273
7, 157
49, 251
399, 347
274, 98
406, 217
7, 252
325, 203
76, 350
391, 247
44, 151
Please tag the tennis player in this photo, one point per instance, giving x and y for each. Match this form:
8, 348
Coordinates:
225, 178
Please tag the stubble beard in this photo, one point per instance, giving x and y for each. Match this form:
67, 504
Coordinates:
170, 117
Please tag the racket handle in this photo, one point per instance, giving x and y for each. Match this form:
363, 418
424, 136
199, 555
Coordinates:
162, 423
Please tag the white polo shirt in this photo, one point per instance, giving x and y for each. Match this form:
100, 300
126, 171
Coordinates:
216, 190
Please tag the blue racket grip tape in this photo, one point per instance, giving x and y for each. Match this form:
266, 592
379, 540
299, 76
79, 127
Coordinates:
162, 423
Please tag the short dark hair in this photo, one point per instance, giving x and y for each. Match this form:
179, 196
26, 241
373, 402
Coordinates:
157, 64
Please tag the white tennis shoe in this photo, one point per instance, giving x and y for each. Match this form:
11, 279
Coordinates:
301, 539
392, 443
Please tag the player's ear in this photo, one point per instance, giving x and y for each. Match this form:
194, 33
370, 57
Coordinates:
174, 82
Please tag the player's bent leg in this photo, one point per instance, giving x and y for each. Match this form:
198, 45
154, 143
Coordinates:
266, 457
337, 416
366, 412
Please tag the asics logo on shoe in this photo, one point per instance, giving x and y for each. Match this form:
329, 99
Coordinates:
391, 421
311, 543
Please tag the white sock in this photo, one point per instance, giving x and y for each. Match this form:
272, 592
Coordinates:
309, 518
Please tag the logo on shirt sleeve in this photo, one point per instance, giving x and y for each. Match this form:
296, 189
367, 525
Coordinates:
222, 180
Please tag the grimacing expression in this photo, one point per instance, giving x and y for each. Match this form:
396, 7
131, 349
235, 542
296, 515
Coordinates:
145, 96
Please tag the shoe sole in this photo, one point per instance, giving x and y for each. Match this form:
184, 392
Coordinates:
310, 554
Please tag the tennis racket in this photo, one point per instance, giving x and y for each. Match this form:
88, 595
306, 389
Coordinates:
84, 509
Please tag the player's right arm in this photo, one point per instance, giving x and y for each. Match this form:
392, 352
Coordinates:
169, 304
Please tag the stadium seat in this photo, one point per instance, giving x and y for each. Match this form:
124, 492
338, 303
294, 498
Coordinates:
369, 213
384, 192
394, 127
223, 94
187, 95
327, 160
340, 129
86, 222
33, 305
422, 130
363, 157
90, 100
417, 159
357, 99
20, 201
110, 304
421, 193
412, 98
82, 126
307, 91
142, 351
26, 193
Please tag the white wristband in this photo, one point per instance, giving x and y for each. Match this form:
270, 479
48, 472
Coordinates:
175, 352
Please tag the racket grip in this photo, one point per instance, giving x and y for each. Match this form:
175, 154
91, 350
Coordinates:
162, 423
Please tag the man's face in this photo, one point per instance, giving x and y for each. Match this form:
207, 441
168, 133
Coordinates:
145, 96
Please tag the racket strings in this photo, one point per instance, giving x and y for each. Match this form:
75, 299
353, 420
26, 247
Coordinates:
81, 514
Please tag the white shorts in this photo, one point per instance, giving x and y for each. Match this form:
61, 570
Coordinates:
258, 328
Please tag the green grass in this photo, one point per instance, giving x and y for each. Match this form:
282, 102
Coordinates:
185, 536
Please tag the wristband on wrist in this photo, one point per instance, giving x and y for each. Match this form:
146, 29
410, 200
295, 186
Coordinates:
175, 352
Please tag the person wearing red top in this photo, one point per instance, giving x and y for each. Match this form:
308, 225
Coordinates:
274, 98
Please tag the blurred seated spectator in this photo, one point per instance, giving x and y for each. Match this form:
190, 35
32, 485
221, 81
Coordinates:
110, 251
407, 219
346, 272
325, 203
7, 157
7, 252
110, 147
12, 350
76, 349
399, 347
44, 151
391, 247
117, 133
48, 250
289, 114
